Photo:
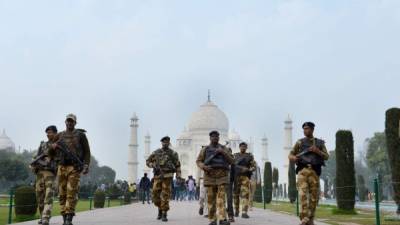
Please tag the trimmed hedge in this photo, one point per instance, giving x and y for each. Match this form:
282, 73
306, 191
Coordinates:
268, 182
345, 172
25, 201
258, 193
393, 147
292, 190
99, 199
362, 190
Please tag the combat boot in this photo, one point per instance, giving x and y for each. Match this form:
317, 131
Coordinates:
159, 214
40, 221
236, 213
231, 219
213, 223
68, 219
224, 222
245, 216
64, 218
201, 211
45, 222
164, 217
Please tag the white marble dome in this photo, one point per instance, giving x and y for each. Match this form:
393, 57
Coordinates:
208, 117
6, 143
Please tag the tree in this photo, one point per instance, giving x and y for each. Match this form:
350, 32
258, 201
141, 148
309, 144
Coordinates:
393, 150
275, 180
378, 160
328, 174
292, 183
345, 186
362, 190
268, 182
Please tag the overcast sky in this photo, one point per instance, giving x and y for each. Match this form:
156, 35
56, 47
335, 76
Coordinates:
332, 62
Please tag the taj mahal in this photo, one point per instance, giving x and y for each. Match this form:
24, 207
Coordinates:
195, 134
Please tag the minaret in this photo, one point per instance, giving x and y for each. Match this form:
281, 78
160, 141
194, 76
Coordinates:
147, 142
286, 150
264, 149
133, 150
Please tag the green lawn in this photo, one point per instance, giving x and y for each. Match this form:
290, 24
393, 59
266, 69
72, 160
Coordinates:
325, 213
83, 205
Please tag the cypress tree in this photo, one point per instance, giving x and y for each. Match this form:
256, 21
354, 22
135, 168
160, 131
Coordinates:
292, 190
258, 193
268, 182
392, 123
345, 172
275, 181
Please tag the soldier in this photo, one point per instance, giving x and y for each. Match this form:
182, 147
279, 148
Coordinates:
45, 167
215, 159
309, 155
73, 147
244, 167
165, 162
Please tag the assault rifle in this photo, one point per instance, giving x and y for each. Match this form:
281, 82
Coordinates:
70, 156
208, 160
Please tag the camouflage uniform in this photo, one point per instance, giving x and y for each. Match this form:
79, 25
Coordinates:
45, 180
242, 180
216, 180
68, 172
308, 178
168, 162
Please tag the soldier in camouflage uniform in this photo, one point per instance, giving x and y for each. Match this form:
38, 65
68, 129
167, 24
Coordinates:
309, 155
215, 159
165, 162
45, 167
70, 168
244, 167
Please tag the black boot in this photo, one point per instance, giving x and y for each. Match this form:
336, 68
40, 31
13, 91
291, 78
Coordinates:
236, 213
40, 221
64, 218
245, 216
164, 217
201, 211
159, 215
213, 223
68, 219
224, 222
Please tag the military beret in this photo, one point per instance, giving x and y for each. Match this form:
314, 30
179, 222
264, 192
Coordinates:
52, 128
214, 132
243, 143
308, 124
166, 138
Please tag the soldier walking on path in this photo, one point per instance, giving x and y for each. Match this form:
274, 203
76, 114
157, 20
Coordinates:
244, 167
73, 147
215, 159
309, 155
44, 165
165, 162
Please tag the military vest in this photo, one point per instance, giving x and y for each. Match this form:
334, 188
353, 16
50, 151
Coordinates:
217, 160
243, 160
74, 142
46, 162
310, 158
167, 160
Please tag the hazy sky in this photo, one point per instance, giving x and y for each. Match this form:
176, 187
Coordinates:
332, 62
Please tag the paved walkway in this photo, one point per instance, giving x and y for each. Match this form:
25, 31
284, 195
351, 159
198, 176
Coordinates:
182, 213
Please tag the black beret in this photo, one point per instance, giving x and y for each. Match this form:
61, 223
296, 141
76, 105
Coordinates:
308, 124
166, 138
214, 132
52, 128
243, 143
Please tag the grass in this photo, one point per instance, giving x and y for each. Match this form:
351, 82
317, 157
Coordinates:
83, 205
331, 214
